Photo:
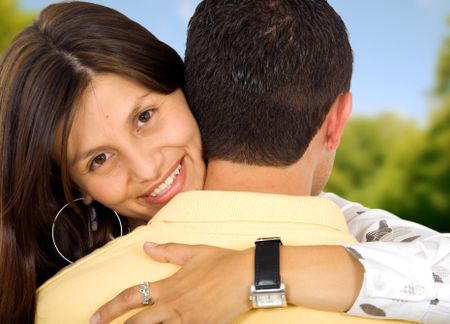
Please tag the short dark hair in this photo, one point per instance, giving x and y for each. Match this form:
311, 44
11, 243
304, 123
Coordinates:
262, 75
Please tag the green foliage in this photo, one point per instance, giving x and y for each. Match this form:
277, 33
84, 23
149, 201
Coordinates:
366, 157
12, 20
366, 145
443, 68
390, 163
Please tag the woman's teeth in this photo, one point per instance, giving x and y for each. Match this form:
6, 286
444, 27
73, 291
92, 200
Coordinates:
167, 183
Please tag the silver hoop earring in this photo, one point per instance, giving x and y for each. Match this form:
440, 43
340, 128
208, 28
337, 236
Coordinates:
56, 218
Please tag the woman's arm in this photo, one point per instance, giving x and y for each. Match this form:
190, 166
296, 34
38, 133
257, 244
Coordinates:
414, 269
399, 283
214, 284
408, 280
407, 265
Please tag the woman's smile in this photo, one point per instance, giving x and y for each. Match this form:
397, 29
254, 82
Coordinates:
167, 188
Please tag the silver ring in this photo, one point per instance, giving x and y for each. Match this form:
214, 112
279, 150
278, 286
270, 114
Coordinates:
144, 290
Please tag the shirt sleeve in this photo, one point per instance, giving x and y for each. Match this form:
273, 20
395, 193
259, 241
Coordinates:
407, 266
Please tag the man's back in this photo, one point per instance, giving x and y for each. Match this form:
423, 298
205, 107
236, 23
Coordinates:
225, 219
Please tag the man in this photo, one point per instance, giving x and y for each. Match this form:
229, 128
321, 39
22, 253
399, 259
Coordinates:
276, 75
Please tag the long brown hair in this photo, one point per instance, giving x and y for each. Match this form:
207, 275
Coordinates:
42, 75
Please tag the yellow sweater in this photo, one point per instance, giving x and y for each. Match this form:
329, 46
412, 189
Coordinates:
226, 219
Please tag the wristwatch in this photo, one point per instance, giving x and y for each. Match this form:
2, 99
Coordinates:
268, 290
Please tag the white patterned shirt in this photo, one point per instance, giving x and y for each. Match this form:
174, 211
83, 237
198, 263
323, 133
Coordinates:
407, 266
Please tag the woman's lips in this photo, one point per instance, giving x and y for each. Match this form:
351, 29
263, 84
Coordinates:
168, 188
166, 184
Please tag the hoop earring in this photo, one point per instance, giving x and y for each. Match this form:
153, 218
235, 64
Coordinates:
56, 218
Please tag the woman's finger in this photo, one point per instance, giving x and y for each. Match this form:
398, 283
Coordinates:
173, 252
128, 299
156, 314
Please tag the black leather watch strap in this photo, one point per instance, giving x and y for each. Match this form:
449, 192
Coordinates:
267, 263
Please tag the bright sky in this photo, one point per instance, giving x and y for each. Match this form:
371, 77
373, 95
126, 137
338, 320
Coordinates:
395, 43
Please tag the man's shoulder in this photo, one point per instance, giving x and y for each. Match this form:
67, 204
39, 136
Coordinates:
74, 293
98, 256
249, 206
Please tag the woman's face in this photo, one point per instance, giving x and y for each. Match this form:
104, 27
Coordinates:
133, 149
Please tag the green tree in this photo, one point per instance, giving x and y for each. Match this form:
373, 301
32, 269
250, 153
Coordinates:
426, 180
435, 155
442, 88
366, 153
390, 163
12, 20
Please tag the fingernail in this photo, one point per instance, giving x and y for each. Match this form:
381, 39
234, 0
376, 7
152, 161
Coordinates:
95, 319
149, 245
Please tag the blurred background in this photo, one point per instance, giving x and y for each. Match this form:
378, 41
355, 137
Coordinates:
395, 153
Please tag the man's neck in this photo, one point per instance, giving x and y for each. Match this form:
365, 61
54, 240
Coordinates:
229, 176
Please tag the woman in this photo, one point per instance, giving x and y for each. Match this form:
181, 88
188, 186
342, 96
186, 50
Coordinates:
47, 72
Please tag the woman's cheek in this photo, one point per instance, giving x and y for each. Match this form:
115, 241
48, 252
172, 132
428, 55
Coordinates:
110, 190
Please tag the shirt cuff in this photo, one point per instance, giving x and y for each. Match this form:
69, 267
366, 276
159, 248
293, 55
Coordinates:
392, 289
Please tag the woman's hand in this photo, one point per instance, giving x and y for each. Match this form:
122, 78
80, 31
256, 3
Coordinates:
211, 287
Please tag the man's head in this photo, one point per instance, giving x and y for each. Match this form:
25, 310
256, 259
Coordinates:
261, 76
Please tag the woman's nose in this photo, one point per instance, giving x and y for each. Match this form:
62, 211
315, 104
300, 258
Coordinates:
146, 165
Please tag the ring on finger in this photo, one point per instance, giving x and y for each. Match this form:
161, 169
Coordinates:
144, 290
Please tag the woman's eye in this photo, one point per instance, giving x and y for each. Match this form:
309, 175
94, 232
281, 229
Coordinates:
145, 116
99, 160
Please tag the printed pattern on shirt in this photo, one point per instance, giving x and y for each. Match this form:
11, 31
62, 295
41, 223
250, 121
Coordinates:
372, 310
407, 266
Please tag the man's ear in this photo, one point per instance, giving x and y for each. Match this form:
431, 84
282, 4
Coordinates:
337, 118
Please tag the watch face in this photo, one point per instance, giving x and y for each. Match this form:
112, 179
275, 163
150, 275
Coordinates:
268, 297
270, 300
